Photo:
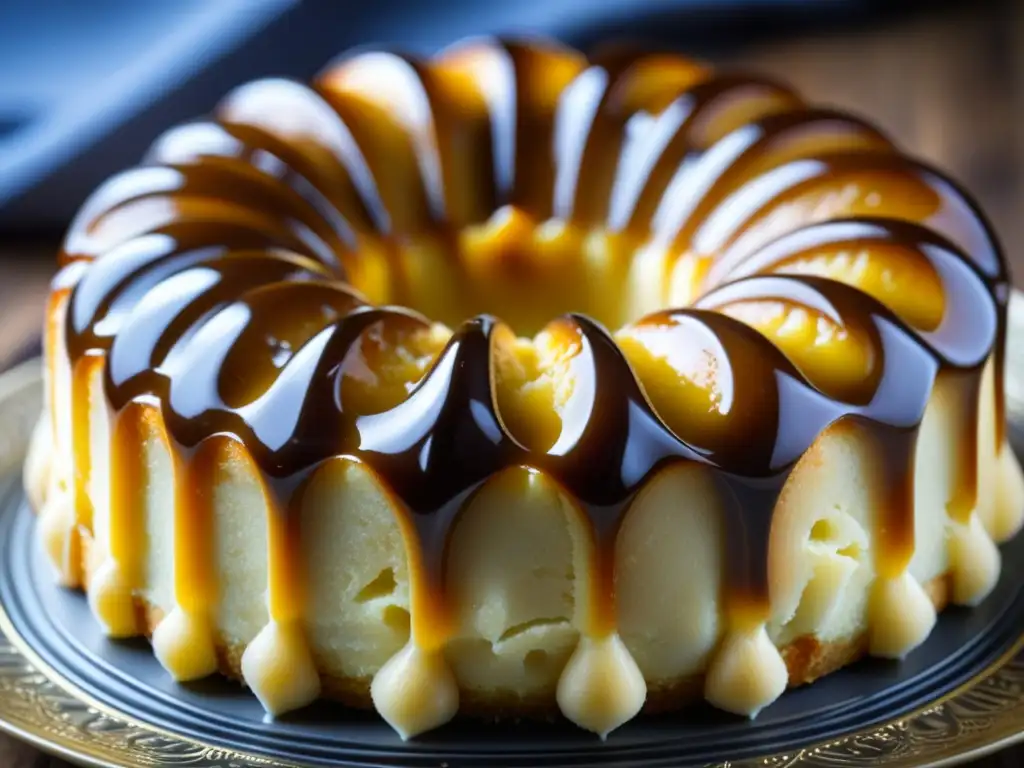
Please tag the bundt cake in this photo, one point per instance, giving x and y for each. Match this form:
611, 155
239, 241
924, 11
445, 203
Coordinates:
517, 382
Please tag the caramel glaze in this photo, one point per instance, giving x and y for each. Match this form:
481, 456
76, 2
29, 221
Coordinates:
218, 291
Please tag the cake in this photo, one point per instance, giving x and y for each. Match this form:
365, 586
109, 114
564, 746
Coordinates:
517, 383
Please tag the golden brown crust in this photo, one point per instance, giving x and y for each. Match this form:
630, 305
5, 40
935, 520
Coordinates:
807, 658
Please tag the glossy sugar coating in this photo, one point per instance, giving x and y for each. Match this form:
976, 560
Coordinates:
717, 276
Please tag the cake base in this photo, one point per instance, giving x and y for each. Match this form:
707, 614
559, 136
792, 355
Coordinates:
123, 676
807, 659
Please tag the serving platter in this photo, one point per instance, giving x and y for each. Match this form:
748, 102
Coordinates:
70, 691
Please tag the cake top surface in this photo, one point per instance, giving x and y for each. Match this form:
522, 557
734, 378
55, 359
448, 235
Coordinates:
258, 263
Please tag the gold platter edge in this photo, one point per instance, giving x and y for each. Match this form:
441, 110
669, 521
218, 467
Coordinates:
38, 706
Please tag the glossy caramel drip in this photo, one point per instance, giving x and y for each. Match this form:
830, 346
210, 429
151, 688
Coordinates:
854, 185
224, 285
123, 572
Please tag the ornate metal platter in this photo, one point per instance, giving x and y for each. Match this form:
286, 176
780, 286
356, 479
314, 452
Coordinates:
66, 689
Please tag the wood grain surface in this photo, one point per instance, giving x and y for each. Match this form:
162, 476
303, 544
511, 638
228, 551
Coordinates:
948, 87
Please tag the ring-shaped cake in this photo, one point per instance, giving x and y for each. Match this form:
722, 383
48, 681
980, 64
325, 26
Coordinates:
740, 421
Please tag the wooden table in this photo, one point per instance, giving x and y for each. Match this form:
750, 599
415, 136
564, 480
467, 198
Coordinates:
949, 87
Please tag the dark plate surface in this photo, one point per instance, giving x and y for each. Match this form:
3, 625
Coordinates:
125, 677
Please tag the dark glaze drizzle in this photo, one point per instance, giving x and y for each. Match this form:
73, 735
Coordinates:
218, 296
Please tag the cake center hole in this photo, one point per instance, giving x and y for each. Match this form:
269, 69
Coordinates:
527, 274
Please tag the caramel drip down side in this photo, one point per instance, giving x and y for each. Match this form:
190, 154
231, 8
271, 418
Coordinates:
113, 588
233, 286
278, 664
184, 639
966, 391
82, 372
